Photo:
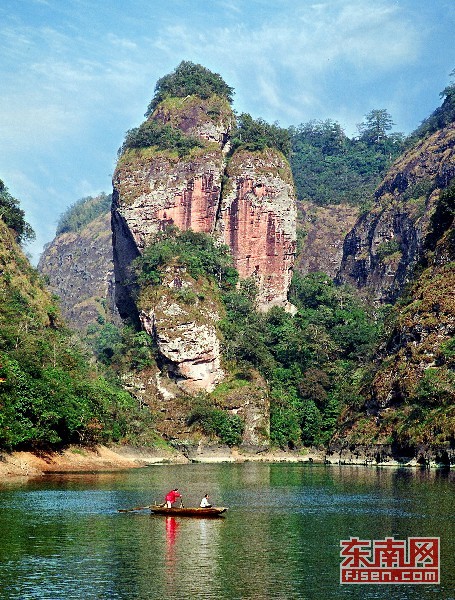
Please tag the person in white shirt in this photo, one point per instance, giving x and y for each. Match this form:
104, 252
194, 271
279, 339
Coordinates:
205, 502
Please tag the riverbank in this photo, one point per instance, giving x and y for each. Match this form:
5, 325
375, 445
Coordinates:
76, 459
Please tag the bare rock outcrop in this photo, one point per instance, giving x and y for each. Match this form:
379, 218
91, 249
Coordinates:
182, 320
258, 222
246, 201
80, 270
152, 192
384, 246
154, 188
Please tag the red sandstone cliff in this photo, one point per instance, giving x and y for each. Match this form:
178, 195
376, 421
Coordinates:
258, 222
246, 200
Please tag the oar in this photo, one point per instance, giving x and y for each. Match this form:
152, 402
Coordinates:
133, 509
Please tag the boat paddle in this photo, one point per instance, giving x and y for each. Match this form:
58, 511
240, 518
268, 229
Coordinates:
137, 508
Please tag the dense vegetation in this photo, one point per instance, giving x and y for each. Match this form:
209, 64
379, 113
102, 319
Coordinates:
82, 212
13, 216
163, 137
50, 393
309, 360
257, 134
228, 428
190, 79
197, 252
331, 168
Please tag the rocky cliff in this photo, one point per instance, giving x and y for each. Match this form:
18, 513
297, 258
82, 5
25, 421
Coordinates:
323, 229
79, 269
244, 199
386, 243
257, 220
410, 392
181, 317
155, 188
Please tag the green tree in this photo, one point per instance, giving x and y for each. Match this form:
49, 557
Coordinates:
441, 117
374, 129
196, 251
14, 216
214, 421
189, 79
257, 134
330, 168
164, 137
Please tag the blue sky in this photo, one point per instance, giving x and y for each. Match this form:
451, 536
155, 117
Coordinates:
77, 74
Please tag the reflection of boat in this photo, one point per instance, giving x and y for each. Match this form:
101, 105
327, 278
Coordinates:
214, 511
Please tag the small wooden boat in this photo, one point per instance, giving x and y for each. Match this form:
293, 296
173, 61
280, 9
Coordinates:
213, 511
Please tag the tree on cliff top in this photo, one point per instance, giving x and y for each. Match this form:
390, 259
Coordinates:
257, 134
82, 212
13, 216
443, 116
190, 79
375, 127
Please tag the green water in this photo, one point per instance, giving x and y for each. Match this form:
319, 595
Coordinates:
62, 537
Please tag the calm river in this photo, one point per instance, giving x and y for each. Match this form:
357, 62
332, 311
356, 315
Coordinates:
62, 537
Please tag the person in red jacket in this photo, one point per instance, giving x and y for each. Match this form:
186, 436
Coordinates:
172, 496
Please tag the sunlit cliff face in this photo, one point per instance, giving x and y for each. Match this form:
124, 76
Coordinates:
247, 201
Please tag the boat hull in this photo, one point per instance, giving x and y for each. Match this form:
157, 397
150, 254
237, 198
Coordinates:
214, 511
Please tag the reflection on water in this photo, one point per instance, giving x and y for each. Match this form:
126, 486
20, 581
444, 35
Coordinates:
171, 534
62, 537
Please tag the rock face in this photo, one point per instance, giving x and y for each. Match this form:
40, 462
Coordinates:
154, 189
384, 246
154, 192
324, 229
80, 270
246, 201
258, 222
410, 399
182, 320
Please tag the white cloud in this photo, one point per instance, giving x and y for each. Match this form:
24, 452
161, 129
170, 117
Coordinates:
283, 62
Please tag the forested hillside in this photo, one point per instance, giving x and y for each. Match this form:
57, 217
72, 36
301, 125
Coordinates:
331, 168
51, 392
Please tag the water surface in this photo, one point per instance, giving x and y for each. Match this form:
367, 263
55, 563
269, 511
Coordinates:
62, 537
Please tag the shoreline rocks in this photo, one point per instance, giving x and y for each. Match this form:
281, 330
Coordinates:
76, 459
